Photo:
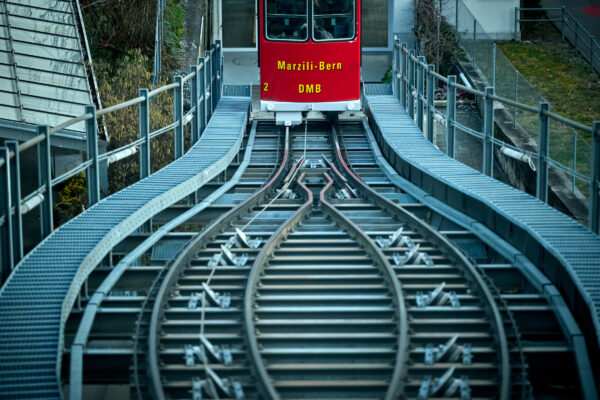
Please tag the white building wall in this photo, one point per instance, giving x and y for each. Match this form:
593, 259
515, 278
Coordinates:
402, 21
496, 17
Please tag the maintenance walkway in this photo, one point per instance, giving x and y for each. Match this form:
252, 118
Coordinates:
567, 252
36, 300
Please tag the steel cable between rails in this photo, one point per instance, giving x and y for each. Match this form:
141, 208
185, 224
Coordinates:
288, 182
179, 263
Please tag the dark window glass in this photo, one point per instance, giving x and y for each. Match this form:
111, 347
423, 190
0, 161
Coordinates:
333, 19
287, 20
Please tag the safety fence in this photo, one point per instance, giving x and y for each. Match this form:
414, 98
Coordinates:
569, 146
570, 29
204, 83
414, 82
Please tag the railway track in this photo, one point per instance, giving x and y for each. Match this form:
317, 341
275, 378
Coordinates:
321, 286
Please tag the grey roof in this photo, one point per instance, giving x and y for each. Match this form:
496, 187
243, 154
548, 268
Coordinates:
43, 79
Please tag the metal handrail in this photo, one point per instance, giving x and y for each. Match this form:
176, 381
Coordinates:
406, 85
206, 90
521, 106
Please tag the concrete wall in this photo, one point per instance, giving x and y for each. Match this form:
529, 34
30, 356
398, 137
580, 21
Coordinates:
403, 20
496, 17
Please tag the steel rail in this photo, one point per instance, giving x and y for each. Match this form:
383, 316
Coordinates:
255, 275
483, 233
397, 381
443, 243
188, 252
89, 315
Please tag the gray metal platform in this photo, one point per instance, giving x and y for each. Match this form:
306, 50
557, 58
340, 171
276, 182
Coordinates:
37, 298
567, 252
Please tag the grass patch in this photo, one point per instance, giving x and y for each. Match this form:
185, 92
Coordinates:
564, 79
560, 76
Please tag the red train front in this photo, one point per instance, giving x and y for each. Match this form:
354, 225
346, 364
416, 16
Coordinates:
309, 55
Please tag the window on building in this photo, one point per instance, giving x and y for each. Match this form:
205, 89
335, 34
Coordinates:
333, 19
287, 20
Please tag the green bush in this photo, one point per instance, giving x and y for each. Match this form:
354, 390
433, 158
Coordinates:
118, 83
72, 199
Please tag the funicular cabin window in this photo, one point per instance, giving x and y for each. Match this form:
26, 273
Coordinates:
287, 20
333, 20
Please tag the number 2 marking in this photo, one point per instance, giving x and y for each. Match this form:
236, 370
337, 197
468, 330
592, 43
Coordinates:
266, 89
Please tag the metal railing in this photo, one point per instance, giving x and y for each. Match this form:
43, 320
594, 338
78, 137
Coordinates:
569, 147
414, 81
205, 85
570, 29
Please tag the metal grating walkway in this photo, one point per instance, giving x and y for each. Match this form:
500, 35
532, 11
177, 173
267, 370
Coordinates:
37, 298
566, 251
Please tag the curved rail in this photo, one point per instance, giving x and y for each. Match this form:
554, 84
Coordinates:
180, 262
89, 315
442, 242
253, 279
397, 380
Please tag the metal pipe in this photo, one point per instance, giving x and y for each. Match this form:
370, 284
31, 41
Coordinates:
162, 89
464, 79
517, 155
120, 106
121, 155
542, 160
31, 203
450, 113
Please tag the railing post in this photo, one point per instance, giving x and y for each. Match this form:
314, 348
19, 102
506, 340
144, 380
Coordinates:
6, 228
144, 127
396, 68
574, 166
488, 132
437, 47
403, 77
411, 84
516, 97
474, 42
562, 24
494, 65
208, 77
430, 102
420, 91
542, 159
45, 179
456, 16
219, 71
576, 36
594, 216
450, 115
195, 104
516, 23
15, 191
178, 115
591, 54
202, 93
213, 77
93, 173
